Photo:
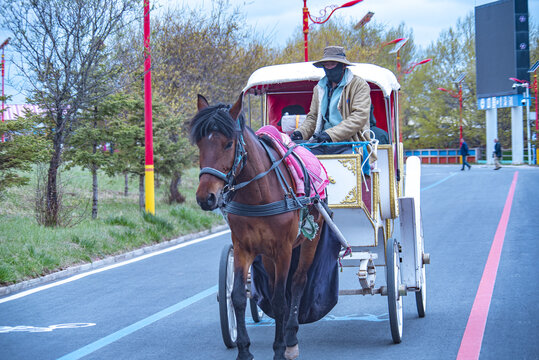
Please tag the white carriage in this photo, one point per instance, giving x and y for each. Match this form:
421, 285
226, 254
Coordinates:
365, 208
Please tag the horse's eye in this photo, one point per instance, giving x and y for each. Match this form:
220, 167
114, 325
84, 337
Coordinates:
229, 145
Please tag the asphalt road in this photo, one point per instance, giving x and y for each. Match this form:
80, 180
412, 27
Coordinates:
164, 306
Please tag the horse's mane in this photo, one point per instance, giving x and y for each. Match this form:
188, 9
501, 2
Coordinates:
214, 118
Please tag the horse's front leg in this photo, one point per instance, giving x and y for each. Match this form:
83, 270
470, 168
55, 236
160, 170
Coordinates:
299, 280
279, 304
239, 301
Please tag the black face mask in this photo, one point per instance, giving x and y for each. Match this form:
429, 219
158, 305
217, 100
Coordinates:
335, 74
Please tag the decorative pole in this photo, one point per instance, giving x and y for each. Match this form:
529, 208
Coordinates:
533, 70
412, 67
525, 85
149, 173
460, 113
457, 96
458, 81
3, 66
306, 29
399, 43
319, 20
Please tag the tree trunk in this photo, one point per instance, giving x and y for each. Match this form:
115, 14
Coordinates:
126, 184
175, 195
141, 202
94, 192
94, 178
53, 206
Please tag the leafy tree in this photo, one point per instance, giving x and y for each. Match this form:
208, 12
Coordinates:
208, 53
432, 120
86, 147
26, 143
60, 44
173, 153
126, 133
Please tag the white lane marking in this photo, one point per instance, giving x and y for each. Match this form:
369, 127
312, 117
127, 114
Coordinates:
39, 329
109, 339
113, 266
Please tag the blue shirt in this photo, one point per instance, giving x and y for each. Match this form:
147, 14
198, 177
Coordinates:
329, 106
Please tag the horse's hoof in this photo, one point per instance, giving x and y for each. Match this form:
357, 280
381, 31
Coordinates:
291, 352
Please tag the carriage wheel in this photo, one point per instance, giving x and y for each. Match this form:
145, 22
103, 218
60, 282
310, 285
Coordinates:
227, 316
421, 295
394, 300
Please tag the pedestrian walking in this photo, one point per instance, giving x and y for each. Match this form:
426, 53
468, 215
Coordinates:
497, 154
464, 154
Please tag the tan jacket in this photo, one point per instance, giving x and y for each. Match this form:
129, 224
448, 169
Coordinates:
354, 106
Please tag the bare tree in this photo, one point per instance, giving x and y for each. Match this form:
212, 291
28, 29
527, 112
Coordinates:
62, 49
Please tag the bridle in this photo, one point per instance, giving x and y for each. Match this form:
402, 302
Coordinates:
240, 158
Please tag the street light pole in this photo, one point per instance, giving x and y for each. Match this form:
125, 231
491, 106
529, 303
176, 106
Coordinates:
412, 67
458, 96
148, 134
525, 85
460, 113
319, 20
399, 43
3, 66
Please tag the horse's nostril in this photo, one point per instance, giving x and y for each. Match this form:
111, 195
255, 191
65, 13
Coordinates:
211, 199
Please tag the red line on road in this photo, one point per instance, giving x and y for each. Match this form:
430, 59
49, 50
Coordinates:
470, 345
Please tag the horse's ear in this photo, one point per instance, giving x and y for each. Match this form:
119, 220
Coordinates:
202, 103
235, 110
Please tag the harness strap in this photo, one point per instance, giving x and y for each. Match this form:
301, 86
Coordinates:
261, 175
282, 180
274, 208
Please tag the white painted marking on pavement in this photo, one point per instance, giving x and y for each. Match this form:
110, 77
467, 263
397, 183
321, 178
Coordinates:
39, 329
98, 344
96, 271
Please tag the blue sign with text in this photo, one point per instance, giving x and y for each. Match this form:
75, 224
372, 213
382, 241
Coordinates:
495, 102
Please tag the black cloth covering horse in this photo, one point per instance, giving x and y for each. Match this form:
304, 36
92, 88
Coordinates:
322, 289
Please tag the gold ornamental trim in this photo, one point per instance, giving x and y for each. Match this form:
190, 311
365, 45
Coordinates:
375, 176
351, 162
392, 180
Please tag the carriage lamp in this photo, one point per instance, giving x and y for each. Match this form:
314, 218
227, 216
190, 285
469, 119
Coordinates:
320, 20
526, 85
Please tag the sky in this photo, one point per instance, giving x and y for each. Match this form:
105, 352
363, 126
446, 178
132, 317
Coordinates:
281, 19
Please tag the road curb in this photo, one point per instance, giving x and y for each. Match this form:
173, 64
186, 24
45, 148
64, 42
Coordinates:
74, 270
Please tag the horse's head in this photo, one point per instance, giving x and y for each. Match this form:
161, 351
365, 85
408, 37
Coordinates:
217, 133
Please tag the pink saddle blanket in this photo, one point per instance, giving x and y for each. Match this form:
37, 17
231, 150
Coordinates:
317, 172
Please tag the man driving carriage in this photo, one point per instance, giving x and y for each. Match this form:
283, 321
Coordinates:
340, 106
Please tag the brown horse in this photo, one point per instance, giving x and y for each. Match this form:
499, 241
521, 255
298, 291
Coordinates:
231, 156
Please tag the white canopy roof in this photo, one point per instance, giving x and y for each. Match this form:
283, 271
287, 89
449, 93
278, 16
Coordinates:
306, 71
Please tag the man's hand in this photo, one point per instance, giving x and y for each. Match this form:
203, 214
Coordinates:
296, 135
321, 137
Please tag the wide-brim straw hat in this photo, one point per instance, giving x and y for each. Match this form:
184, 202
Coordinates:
333, 53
